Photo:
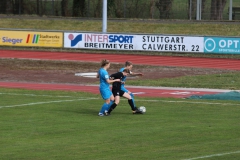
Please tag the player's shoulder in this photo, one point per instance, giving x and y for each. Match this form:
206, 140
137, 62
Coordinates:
121, 69
117, 74
102, 71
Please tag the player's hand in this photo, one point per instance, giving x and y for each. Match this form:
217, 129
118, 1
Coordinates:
117, 80
123, 82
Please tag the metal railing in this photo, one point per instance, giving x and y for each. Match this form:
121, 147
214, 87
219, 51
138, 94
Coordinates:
142, 9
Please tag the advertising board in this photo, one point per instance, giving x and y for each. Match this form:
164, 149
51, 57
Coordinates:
31, 39
133, 42
222, 45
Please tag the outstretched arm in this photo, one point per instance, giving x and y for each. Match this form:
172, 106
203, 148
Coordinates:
136, 74
113, 80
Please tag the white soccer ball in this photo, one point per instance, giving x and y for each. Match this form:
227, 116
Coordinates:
143, 109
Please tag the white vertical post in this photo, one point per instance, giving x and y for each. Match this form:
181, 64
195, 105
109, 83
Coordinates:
230, 10
190, 10
197, 11
198, 14
104, 22
200, 10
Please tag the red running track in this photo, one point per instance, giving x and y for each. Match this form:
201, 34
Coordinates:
217, 63
117, 58
139, 91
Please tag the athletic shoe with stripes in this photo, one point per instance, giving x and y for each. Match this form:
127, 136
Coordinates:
137, 111
100, 114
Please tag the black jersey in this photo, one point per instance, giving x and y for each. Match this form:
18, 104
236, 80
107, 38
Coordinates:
117, 85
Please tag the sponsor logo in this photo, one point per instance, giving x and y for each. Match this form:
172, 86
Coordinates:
103, 38
75, 40
11, 40
210, 45
222, 45
120, 39
33, 38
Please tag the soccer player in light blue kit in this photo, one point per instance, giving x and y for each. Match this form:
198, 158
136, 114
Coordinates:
128, 65
104, 87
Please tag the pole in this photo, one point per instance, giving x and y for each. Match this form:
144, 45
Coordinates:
197, 11
53, 7
88, 15
200, 9
19, 7
230, 10
198, 17
124, 9
190, 10
104, 22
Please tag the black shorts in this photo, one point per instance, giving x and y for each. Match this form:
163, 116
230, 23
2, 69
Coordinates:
118, 93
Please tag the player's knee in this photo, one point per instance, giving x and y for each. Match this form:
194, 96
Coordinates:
126, 95
117, 102
131, 94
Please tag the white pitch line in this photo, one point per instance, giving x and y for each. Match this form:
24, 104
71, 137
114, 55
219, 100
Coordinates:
224, 104
29, 104
213, 155
16, 94
138, 93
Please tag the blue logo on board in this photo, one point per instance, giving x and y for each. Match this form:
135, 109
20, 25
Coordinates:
222, 45
75, 40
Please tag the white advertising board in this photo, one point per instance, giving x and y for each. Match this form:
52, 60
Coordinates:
134, 42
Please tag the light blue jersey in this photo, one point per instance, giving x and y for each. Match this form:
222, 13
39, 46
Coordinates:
104, 85
124, 80
123, 86
103, 75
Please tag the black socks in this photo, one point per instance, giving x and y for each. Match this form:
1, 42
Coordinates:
113, 106
130, 102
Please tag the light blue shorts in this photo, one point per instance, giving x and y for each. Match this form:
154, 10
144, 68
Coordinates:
105, 93
124, 89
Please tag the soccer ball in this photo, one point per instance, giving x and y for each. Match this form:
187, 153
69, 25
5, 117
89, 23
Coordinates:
143, 109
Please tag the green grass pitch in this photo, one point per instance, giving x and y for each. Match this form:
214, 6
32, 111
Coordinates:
56, 125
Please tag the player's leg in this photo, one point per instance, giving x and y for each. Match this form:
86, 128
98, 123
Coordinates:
116, 101
104, 107
131, 94
114, 105
131, 103
112, 99
107, 96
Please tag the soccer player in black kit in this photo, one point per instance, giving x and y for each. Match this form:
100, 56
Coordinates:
117, 92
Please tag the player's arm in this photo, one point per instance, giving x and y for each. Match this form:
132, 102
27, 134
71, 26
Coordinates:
113, 80
136, 74
115, 75
97, 76
118, 75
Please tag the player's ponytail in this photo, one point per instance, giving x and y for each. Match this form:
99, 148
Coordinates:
127, 71
128, 63
104, 62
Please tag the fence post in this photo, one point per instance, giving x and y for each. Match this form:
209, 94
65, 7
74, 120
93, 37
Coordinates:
53, 7
88, 8
190, 10
104, 21
19, 7
230, 10
124, 9
198, 17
